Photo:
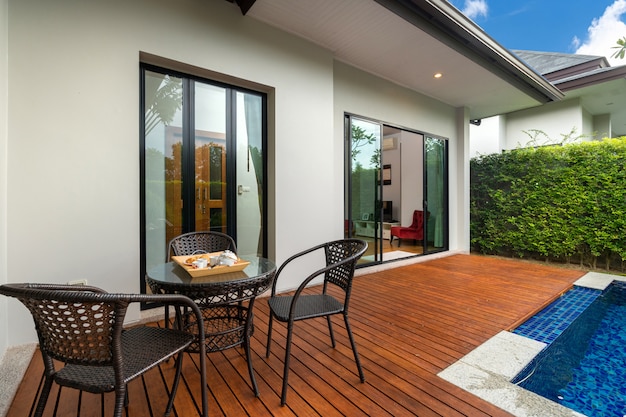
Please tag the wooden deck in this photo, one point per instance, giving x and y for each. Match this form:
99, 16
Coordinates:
409, 324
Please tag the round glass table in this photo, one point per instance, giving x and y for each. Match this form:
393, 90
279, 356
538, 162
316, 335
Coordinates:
225, 299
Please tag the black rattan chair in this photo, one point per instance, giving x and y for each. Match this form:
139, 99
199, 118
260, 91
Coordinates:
200, 242
197, 243
82, 328
226, 323
341, 257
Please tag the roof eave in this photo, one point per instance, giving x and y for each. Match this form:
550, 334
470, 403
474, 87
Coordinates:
450, 26
576, 82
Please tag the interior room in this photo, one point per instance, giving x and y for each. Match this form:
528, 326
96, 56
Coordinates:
397, 228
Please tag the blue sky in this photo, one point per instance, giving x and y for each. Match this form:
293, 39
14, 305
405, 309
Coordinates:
589, 27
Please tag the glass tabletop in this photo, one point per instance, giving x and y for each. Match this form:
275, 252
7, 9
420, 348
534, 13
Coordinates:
173, 274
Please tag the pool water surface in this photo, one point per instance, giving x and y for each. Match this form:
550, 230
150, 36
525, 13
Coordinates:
584, 365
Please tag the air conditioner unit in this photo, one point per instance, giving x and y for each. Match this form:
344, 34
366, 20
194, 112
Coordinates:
390, 143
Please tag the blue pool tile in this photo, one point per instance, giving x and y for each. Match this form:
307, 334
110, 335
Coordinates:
585, 368
550, 322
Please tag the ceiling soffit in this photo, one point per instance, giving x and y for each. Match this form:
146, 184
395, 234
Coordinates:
407, 42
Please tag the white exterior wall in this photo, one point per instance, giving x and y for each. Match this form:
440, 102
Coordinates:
4, 31
358, 93
556, 120
73, 191
488, 137
459, 157
72, 176
601, 126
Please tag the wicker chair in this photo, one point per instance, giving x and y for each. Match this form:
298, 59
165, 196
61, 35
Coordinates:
341, 257
219, 320
82, 328
200, 242
194, 243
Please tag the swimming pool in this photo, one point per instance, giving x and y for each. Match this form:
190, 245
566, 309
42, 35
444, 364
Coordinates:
584, 365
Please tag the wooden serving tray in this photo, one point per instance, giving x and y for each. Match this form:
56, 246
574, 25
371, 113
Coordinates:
202, 272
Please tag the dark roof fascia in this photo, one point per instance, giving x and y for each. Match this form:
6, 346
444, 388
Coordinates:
556, 65
447, 24
599, 76
574, 70
244, 5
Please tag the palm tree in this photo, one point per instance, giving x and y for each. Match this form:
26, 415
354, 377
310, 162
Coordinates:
621, 48
163, 100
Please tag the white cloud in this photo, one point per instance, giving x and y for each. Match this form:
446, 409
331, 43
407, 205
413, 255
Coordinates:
604, 33
476, 8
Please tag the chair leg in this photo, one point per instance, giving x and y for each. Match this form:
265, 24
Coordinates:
246, 346
283, 396
120, 399
269, 336
57, 402
330, 330
356, 354
43, 396
44, 389
179, 368
167, 316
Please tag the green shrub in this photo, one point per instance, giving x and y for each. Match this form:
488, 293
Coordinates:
562, 203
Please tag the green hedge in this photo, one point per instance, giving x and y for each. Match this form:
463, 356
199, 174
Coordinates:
562, 203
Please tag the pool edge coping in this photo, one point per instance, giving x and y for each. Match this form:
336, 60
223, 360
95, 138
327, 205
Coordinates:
487, 370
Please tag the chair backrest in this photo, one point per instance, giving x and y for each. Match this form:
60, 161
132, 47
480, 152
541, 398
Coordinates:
200, 242
418, 219
75, 324
343, 255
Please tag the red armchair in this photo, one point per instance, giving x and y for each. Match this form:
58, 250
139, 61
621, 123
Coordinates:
415, 231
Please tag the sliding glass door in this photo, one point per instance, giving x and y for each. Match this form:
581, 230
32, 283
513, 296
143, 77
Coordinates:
203, 163
392, 174
363, 184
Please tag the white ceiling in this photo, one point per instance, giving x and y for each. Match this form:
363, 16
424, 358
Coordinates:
364, 34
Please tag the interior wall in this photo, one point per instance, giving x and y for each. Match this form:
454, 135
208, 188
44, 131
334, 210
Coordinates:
391, 192
73, 176
412, 176
407, 175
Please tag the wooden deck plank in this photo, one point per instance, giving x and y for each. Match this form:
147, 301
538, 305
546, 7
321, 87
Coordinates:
409, 324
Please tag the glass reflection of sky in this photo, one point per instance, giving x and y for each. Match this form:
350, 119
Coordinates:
364, 158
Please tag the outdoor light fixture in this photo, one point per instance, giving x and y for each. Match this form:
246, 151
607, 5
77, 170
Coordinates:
438, 75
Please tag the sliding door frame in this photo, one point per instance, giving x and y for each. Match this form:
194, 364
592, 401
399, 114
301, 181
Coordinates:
437, 224
188, 133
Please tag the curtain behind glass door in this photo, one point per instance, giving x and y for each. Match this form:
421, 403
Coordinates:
250, 174
436, 175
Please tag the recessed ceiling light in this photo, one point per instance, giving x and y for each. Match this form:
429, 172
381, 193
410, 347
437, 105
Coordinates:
438, 75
